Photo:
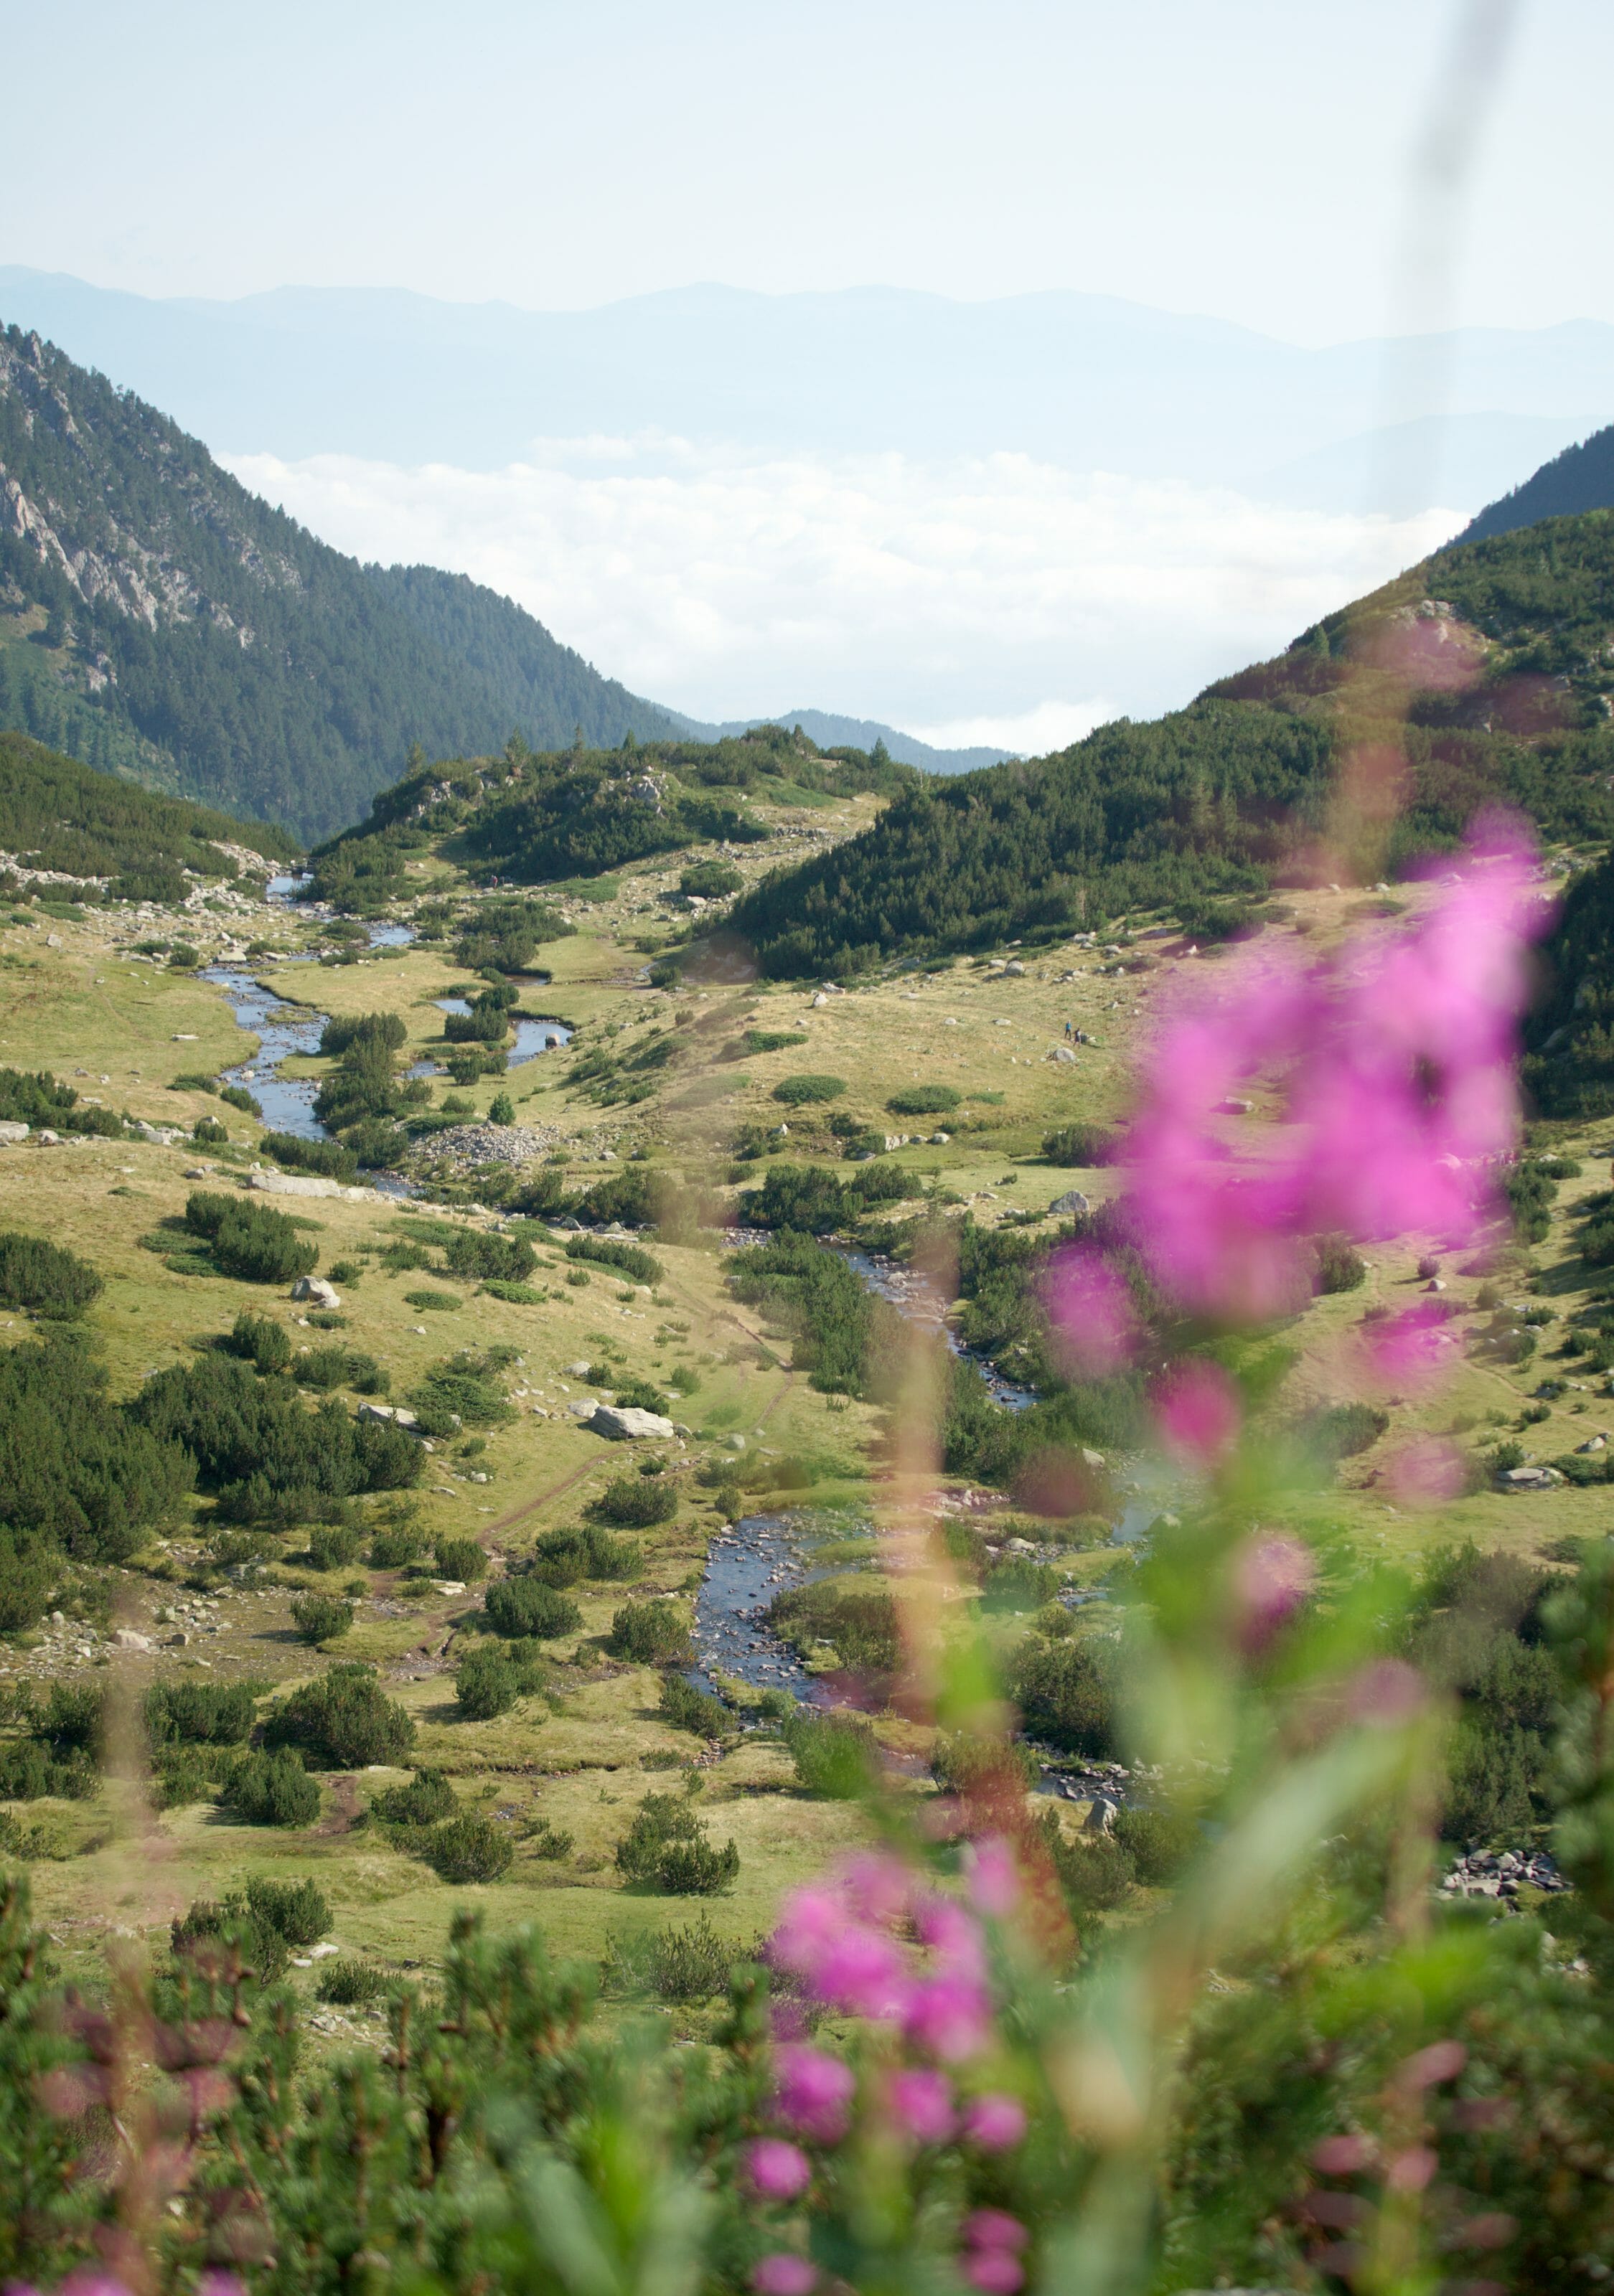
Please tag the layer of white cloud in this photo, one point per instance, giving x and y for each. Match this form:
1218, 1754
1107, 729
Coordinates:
959, 600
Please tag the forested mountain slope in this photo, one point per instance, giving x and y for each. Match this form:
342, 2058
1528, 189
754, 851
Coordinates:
1580, 479
1483, 675
158, 620
60, 816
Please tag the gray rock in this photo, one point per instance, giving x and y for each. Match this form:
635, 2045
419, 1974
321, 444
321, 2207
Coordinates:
125, 1638
1071, 1201
12, 1133
625, 1423
306, 1183
315, 1288
390, 1414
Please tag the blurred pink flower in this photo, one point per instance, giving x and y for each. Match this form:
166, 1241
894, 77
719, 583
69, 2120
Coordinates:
783, 2274
812, 2091
992, 1876
1396, 1065
1342, 2156
1272, 1579
778, 2170
995, 2122
1412, 2171
950, 2016
994, 2271
1388, 1692
1091, 1311
1410, 1349
1442, 2060
922, 2101
994, 2228
1197, 1410
846, 1962
1427, 1471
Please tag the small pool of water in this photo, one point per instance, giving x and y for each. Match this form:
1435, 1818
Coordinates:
532, 1037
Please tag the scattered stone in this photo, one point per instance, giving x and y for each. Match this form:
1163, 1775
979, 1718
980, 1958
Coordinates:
626, 1422
1529, 1479
1499, 1874
125, 1638
1062, 1053
316, 1289
12, 1133
1072, 1201
196, 1172
305, 1184
392, 1415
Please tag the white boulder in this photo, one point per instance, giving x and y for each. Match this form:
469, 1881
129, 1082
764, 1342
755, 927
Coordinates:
315, 1288
625, 1423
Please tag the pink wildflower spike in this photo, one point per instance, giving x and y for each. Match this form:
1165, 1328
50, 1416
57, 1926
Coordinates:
1442, 2060
995, 2123
784, 2274
812, 2091
778, 2170
1426, 1473
1091, 1311
921, 2100
994, 2228
1272, 1579
992, 1876
1198, 1413
949, 2016
1412, 2171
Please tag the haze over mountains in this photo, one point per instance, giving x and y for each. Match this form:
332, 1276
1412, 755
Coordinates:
993, 525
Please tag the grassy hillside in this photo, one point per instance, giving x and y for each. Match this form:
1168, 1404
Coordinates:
1481, 676
156, 617
525, 819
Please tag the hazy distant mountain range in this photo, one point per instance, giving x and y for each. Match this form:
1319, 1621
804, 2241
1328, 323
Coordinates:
1087, 381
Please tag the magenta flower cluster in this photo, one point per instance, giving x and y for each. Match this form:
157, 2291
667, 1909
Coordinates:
1392, 1068
876, 1941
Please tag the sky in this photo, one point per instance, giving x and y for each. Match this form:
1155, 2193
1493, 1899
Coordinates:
1264, 161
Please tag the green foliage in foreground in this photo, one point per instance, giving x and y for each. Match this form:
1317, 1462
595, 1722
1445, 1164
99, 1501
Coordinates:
44, 1277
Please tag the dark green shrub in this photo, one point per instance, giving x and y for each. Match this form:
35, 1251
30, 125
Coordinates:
1337, 1264
342, 1720
265, 1345
208, 1133
631, 1500
923, 1099
1017, 1583
1078, 1147
651, 1633
468, 1849
29, 1772
710, 880
43, 1277
668, 1846
332, 1546
427, 1801
328, 1158
1159, 1842
238, 1096
198, 1713
861, 1622
271, 1789
461, 1558
391, 1550
321, 1618
348, 1983
641, 1267
1095, 1873
1345, 1429
526, 1606
508, 1258
463, 1387
835, 1757
229, 1937
689, 1709
485, 1682
248, 1240
562, 1558
1067, 1694
802, 1091
297, 1911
